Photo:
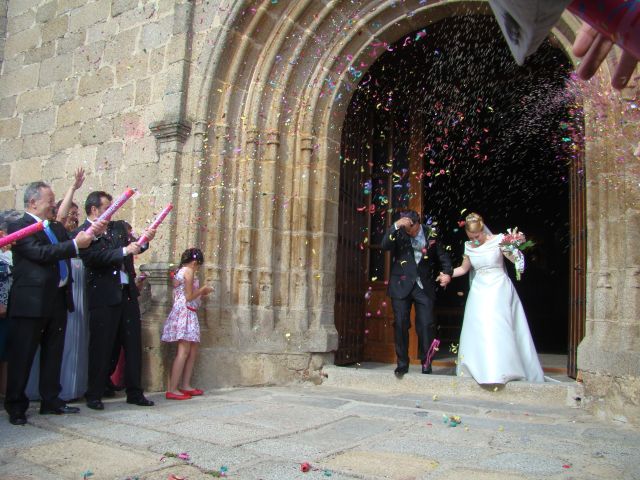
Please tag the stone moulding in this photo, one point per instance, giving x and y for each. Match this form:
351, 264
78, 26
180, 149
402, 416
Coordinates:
170, 130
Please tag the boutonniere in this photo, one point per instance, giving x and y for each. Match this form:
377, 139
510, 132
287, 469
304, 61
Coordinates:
430, 231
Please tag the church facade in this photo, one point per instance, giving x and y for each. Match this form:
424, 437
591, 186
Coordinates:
233, 111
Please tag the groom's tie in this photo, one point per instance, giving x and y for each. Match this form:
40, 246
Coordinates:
62, 264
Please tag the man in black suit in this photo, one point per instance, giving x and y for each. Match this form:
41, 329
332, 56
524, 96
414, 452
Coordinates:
114, 312
38, 302
413, 247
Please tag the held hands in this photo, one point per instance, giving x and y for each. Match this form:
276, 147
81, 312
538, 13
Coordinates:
593, 48
443, 279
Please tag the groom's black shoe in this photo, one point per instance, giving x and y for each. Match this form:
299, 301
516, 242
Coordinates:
427, 369
401, 370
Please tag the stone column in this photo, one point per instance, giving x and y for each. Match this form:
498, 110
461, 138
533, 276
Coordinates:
244, 228
302, 271
157, 295
170, 136
318, 326
609, 355
264, 315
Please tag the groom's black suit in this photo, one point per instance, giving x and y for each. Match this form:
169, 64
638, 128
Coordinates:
114, 312
405, 291
37, 313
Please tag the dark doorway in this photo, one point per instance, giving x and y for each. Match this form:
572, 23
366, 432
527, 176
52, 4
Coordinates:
451, 125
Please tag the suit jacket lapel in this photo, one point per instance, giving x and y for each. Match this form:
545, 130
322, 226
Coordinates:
41, 236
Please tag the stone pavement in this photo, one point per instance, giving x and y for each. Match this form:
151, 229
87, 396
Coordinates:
343, 433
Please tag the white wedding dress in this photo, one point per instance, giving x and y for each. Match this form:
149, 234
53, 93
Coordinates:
495, 344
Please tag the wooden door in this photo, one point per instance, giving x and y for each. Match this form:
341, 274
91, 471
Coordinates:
578, 265
350, 260
393, 186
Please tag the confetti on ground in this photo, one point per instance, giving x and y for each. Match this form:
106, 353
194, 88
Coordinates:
452, 420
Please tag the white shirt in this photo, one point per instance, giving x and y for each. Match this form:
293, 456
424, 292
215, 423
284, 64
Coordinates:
66, 280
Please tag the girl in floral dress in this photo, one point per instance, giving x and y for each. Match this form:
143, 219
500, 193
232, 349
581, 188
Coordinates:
182, 324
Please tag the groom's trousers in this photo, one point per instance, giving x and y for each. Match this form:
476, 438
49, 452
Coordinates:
424, 324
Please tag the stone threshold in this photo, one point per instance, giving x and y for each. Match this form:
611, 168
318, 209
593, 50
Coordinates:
374, 377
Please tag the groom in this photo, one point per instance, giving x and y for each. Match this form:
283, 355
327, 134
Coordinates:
413, 247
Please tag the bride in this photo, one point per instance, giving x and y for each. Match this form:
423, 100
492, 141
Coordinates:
495, 344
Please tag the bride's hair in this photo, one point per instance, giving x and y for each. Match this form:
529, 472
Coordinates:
473, 223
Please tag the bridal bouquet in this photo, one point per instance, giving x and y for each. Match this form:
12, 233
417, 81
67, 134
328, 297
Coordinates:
513, 243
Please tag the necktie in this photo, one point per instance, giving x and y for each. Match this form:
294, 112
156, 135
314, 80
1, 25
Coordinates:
62, 264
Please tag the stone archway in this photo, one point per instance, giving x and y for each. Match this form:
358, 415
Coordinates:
268, 86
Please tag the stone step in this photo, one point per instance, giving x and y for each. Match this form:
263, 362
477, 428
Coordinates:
376, 378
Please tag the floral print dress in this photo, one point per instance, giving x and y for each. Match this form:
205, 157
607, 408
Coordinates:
182, 322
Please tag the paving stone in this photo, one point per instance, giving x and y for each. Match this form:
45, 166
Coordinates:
142, 419
19, 22
525, 463
179, 471
343, 433
466, 474
425, 445
313, 401
231, 410
289, 470
27, 471
207, 455
8, 106
123, 434
288, 448
383, 411
267, 432
622, 435
297, 418
72, 457
80, 422
12, 436
375, 464
217, 432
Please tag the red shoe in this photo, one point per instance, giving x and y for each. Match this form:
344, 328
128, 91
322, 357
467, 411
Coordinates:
175, 396
192, 393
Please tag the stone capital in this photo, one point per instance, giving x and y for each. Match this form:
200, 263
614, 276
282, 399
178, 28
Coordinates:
307, 142
170, 130
273, 137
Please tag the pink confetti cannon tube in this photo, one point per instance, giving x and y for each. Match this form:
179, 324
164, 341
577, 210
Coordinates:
108, 213
23, 232
156, 223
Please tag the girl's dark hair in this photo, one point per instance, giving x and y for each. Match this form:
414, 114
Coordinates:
191, 254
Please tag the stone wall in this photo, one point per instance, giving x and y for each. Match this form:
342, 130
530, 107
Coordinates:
609, 356
232, 110
81, 82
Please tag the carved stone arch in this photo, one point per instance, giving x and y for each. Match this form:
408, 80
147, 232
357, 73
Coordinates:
265, 98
